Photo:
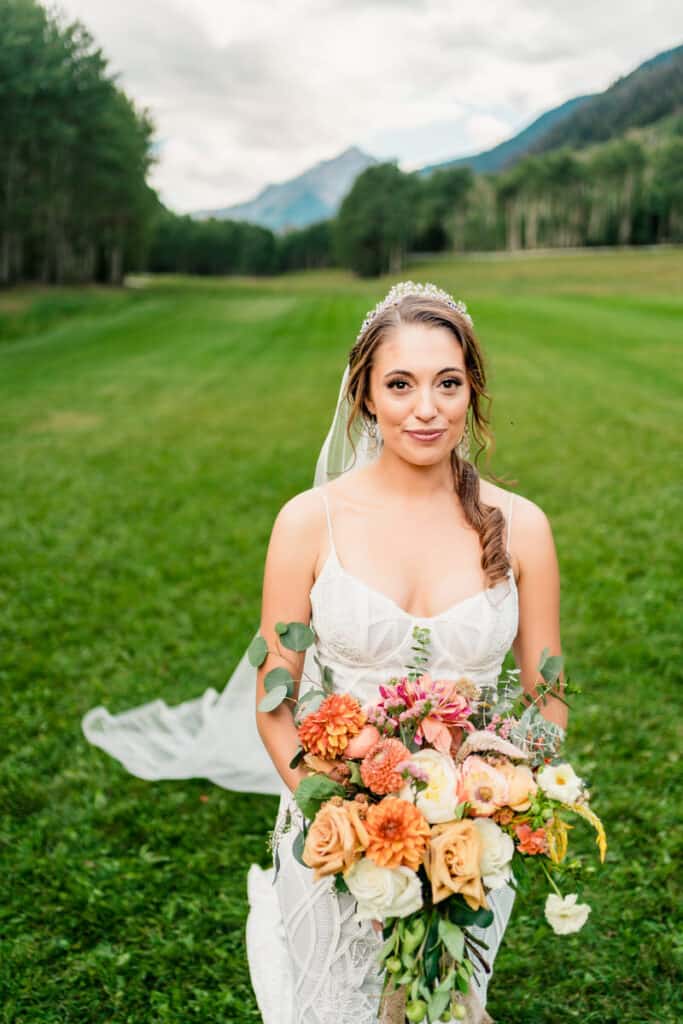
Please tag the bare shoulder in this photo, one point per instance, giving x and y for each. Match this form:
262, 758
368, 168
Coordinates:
300, 517
526, 514
531, 532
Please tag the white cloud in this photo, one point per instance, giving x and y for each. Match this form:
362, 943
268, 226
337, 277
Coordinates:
243, 95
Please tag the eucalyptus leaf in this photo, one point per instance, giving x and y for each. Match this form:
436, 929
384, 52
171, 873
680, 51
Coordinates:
298, 847
298, 758
273, 699
552, 668
257, 652
279, 677
280, 628
298, 636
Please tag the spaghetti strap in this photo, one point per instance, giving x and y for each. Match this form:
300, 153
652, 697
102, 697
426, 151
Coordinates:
324, 492
509, 518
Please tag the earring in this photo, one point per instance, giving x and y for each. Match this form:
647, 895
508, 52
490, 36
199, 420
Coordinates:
374, 436
462, 448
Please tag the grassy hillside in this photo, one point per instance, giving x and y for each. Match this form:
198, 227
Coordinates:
148, 438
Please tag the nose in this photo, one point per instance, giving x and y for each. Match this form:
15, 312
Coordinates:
425, 408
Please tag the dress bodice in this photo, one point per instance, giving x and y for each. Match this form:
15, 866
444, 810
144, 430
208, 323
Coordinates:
365, 637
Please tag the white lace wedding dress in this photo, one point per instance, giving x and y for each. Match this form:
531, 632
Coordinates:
310, 962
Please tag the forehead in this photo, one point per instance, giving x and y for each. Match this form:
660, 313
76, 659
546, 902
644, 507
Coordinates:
418, 347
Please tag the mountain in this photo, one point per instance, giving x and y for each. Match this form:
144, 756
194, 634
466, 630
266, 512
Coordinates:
507, 152
652, 91
312, 196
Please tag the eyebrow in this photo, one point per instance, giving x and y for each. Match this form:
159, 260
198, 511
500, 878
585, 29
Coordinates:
446, 369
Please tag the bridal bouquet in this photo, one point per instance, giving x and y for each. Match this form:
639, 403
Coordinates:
423, 803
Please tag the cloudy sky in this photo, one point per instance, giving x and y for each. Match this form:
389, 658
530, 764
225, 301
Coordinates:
249, 92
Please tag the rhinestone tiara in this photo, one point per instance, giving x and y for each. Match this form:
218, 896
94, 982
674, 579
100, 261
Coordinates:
403, 288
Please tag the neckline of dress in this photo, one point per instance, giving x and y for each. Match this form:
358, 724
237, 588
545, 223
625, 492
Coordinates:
332, 554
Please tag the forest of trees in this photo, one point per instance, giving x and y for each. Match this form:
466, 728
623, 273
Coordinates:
75, 203
74, 155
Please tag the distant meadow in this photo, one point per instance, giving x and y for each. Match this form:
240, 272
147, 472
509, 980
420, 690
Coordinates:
149, 435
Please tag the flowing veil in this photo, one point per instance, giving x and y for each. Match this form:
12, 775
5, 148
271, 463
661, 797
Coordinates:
214, 736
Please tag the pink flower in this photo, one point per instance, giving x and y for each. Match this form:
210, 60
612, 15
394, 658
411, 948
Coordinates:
435, 706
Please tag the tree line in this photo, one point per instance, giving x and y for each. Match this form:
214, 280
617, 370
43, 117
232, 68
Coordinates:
75, 204
74, 155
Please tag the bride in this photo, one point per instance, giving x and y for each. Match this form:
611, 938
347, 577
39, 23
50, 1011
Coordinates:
399, 530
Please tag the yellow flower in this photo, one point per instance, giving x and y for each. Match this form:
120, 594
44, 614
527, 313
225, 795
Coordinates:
585, 812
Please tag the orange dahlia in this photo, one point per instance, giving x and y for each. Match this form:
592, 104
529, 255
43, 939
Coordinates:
397, 834
378, 767
327, 731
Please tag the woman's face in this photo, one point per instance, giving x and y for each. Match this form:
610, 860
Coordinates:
418, 383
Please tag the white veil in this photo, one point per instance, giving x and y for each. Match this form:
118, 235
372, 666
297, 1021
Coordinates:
214, 736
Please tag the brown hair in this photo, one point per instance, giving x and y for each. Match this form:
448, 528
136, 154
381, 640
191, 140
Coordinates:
487, 520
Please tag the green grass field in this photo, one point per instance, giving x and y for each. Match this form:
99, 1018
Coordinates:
148, 437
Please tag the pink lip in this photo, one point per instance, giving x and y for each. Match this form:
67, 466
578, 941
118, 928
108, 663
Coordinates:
422, 436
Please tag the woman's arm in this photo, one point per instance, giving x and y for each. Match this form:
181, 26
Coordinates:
539, 602
287, 581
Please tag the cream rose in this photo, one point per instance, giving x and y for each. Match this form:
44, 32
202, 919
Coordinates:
564, 914
383, 892
438, 801
452, 862
496, 853
560, 782
336, 837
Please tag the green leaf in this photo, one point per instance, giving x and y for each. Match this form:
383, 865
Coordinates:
327, 683
297, 759
279, 677
460, 913
298, 847
355, 777
280, 628
552, 668
339, 884
452, 937
438, 1002
298, 636
313, 791
273, 699
257, 652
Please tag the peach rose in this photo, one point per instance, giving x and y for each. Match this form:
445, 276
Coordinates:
521, 785
360, 745
482, 785
452, 862
336, 838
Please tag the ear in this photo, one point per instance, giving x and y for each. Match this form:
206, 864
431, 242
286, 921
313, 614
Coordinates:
370, 405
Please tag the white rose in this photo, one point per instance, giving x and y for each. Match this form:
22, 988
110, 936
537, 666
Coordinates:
496, 853
383, 892
560, 782
565, 915
438, 801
